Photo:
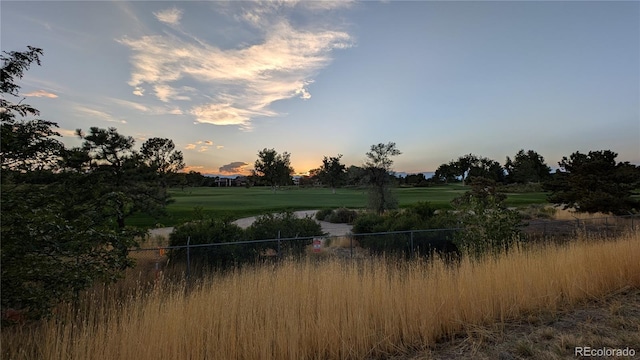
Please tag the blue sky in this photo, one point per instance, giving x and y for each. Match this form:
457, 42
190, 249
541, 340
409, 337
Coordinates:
224, 80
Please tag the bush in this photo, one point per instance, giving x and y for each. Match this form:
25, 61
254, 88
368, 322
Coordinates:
489, 227
424, 243
323, 215
342, 216
368, 223
423, 209
211, 231
284, 225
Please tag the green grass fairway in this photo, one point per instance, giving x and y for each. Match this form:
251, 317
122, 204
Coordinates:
237, 202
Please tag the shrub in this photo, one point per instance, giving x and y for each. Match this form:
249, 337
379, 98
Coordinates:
323, 215
423, 209
211, 231
342, 216
489, 227
284, 225
368, 223
424, 242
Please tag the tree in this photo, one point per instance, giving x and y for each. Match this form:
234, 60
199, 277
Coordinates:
483, 191
107, 148
415, 179
464, 165
446, 173
194, 179
332, 172
161, 156
109, 151
468, 166
356, 176
378, 167
527, 168
121, 176
57, 237
13, 67
273, 168
593, 183
25, 144
488, 169
311, 179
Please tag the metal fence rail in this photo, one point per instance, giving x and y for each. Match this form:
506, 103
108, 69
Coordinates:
408, 243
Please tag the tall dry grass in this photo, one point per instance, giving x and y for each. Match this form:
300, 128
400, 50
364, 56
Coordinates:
569, 214
333, 309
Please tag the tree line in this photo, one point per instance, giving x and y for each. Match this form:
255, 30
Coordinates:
592, 182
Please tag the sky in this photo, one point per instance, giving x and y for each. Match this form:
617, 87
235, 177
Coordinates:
225, 80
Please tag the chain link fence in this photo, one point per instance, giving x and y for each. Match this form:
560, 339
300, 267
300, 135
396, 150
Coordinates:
194, 260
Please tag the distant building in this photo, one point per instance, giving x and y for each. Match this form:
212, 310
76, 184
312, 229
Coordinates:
240, 181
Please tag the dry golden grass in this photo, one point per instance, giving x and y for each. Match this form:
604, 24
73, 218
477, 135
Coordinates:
333, 309
568, 214
611, 321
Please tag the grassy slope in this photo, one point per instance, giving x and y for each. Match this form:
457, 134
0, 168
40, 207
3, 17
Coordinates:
612, 321
240, 202
356, 310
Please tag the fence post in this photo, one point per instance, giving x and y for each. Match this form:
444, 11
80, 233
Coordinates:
188, 259
412, 251
351, 245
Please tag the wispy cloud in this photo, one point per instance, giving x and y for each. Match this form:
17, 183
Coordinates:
237, 167
224, 114
41, 93
67, 133
169, 16
247, 79
167, 93
131, 105
200, 145
98, 114
153, 110
199, 168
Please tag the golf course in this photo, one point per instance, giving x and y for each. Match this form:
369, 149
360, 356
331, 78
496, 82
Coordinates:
237, 202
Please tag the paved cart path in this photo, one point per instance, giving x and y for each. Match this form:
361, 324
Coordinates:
330, 228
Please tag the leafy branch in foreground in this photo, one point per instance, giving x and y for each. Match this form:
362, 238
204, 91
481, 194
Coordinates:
488, 226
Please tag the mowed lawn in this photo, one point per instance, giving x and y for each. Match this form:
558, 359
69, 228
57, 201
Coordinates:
237, 202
